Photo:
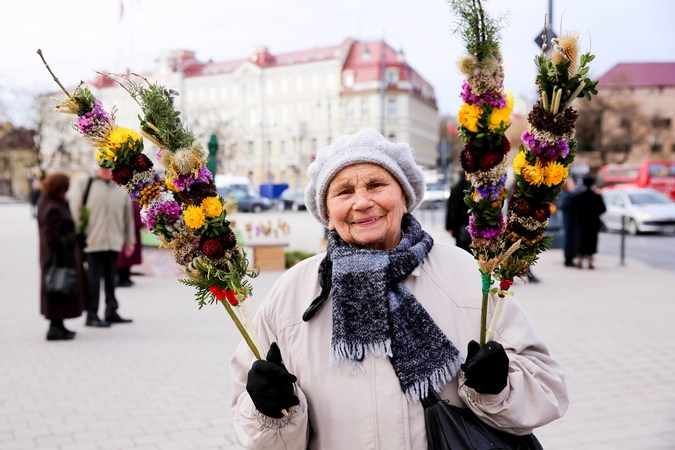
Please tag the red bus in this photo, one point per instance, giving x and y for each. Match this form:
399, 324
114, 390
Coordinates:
658, 175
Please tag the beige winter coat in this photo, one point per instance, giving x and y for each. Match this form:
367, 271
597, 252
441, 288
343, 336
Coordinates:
339, 410
111, 221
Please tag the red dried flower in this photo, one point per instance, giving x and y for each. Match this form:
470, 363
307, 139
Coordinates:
542, 214
142, 162
520, 206
490, 160
213, 249
506, 145
122, 174
468, 159
221, 293
229, 240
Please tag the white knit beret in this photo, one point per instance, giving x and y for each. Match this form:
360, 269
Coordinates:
366, 146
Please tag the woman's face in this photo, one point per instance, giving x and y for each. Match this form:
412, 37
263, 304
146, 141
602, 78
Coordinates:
365, 206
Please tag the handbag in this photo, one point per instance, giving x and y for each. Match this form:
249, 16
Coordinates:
61, 280
452, 428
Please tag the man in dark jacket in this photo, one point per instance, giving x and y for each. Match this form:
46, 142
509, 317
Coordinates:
457, 214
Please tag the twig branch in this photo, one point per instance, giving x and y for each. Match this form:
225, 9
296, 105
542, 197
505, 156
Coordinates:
39, 52
107, 75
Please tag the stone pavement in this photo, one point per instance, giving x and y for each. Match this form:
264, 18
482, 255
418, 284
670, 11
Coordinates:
162, 382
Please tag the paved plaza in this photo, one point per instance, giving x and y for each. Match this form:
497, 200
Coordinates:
162, 382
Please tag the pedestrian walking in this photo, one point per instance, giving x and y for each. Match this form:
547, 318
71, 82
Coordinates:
58, 245
125, 262
457, 213
569, 244
361, 335
35, 192
587, 207
110, 229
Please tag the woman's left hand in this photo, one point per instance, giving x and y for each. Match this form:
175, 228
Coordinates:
486, 369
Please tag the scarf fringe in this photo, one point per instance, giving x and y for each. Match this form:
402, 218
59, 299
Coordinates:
437, 380
355, 352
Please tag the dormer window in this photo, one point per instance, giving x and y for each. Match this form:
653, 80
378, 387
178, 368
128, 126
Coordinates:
349, 79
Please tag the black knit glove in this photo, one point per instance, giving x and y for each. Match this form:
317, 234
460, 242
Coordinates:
270, 385
486, 369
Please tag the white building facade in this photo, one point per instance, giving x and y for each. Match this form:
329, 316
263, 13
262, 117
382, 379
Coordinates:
272, 113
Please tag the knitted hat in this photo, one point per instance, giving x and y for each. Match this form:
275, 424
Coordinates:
366, 146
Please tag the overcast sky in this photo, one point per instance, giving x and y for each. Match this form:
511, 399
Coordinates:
78, 36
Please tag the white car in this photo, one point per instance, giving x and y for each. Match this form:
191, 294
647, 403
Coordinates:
645, 210
436, 195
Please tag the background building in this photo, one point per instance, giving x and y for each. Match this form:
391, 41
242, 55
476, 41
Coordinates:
631, 118
271, 113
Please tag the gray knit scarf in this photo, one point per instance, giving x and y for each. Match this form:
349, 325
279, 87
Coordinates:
374, 311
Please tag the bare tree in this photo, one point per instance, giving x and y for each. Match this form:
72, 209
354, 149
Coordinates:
611, 127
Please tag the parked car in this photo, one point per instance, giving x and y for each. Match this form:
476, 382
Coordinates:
436, 196
293, 199
247, 201
645, 210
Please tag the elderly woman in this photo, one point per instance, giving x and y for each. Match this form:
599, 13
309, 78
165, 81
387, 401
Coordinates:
396, 310
58, 240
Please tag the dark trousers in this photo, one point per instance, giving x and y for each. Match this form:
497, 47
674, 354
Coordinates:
102, 264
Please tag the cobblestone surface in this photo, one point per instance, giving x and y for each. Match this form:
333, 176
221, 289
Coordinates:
162, 382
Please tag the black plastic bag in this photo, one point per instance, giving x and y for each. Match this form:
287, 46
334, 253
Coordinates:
453, 428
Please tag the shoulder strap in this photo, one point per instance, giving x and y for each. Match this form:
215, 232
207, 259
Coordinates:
86, 192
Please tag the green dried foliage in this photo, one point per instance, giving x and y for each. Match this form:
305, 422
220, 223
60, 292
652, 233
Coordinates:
85, 100
160, 118
479, 31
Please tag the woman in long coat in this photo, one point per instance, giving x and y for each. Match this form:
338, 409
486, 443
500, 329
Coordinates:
587, 207
54, 222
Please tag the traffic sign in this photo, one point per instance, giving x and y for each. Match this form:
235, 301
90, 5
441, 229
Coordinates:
549, 35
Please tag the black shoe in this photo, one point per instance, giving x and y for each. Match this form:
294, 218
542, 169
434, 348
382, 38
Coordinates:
569, 263
532, 279
125, 283
59, 334
96, 322
115, 318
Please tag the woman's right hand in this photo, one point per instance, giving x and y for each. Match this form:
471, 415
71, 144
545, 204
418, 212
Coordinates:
270, 385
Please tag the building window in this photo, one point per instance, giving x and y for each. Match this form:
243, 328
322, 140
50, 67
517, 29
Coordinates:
251, 118
391, 109
283, 147
349, 79
270, 116
364, 109
330, 81
314, 82
250, 148
391, 78
314, 111
298, 84
269, 148
329, 139
298, 112
349, 111
234, 150
223, 92
201, 95
235, 91
284, 114
269, 87
212, 94
329, 112
392, 137
657, 144
283, 86
313, 145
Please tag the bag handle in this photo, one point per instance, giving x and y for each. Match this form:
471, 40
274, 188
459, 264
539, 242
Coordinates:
86, 192
63, 243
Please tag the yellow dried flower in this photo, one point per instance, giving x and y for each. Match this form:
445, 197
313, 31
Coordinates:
168, 182
534, 174
519, 162
119, 136
554, 173
468, 116
502, 114
105, 154
212, 207
194, 217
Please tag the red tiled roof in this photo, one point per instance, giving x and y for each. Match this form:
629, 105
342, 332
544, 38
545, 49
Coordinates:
638, 75
365, 58
265, 59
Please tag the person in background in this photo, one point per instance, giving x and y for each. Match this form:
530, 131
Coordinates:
34, 196
569, 245
110, 229
587, 207
457, 213
358, 336
56, 229
125, 262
